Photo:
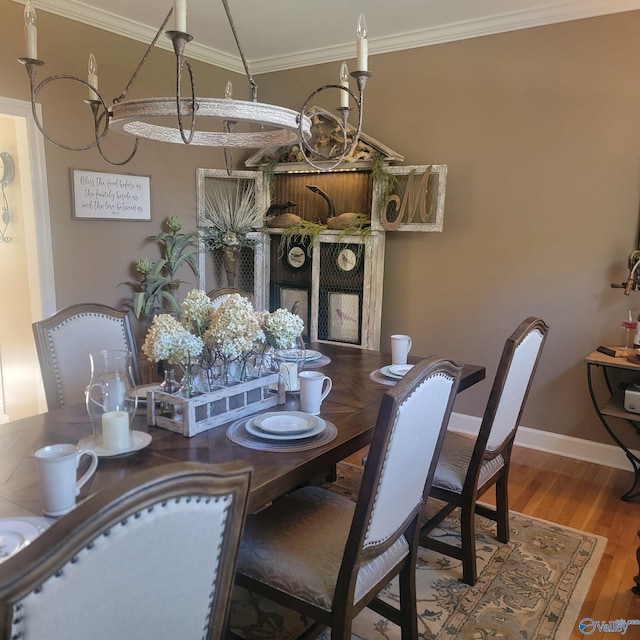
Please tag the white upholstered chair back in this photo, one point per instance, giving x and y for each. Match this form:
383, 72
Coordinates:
402, 454
414, 438
159, 566
65, 340
516, 385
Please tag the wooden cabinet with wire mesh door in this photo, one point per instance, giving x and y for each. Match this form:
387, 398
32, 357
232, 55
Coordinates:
335, 274
317, 240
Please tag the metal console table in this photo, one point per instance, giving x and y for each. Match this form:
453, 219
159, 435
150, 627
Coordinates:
614, 408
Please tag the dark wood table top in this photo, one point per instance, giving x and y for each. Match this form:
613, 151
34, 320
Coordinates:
352, 406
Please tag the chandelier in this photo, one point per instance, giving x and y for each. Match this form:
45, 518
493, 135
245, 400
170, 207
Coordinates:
269, 125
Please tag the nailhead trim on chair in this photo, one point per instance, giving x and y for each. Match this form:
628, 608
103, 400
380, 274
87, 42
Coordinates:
384, 464
52, 350
18, 619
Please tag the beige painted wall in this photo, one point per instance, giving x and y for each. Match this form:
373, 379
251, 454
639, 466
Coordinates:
540, 129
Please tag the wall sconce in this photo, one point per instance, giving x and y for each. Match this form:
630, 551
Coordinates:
633, 279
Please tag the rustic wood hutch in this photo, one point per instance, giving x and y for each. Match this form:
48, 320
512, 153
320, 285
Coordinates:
337, 279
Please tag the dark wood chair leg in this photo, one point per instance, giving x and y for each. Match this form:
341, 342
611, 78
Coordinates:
636, 579
408, 609
468, 540
502, 510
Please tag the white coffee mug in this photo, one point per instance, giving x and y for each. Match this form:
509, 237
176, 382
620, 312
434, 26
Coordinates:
58, 469
400, 347
314, 388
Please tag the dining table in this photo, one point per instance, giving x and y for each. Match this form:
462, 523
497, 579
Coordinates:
351, 407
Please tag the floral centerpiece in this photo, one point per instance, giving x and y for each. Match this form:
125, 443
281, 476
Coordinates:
211, 340
231, 212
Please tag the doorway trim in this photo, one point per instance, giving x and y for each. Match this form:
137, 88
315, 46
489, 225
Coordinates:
38, 175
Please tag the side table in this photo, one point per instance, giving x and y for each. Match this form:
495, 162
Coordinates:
613, 408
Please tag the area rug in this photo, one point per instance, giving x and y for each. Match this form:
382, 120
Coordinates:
530, 588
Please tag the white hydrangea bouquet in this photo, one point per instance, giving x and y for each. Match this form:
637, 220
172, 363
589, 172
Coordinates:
209, 338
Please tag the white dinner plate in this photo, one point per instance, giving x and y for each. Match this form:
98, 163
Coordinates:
141, 392
285, 422
386, 372
400, 369
14, 535
139, 440
309, 356
259, 433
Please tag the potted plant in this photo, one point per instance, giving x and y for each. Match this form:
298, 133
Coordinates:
231, 212
157, 288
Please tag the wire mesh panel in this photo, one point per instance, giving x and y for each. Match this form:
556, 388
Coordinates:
231, 210
290, 270
341, 292
238, 273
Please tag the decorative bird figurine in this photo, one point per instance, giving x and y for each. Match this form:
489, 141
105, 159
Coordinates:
278, 219
332, 210
276, 208
344, 220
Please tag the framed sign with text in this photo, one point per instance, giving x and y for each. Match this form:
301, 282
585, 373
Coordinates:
110, 196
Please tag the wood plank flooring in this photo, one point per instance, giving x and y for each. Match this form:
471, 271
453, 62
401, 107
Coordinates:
584, 496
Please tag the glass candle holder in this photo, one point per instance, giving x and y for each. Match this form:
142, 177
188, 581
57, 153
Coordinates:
111, 399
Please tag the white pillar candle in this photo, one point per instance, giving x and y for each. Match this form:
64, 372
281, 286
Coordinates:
180, 15
362, 45
30, 31
289, 371
115, 430
92, 77
344, 82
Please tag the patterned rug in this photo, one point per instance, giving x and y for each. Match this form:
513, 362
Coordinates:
531, 588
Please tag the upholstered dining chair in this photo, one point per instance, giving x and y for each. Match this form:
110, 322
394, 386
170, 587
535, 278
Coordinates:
65, 340
218, 296
326, 557
468, 467
152, 556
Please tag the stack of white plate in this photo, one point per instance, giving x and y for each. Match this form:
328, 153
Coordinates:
395, 371
294, 355
17, 533
284, 425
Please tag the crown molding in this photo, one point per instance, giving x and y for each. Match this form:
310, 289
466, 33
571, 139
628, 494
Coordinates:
113, 23
556, 12
512, 21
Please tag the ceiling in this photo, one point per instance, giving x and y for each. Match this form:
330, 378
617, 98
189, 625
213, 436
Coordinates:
283, 34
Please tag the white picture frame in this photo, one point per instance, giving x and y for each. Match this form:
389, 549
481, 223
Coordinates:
343, 316
110, 196
288, 294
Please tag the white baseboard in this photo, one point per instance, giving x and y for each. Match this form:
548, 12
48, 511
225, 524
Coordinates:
607, 455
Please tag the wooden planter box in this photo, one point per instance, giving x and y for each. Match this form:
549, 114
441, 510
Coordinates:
188, 416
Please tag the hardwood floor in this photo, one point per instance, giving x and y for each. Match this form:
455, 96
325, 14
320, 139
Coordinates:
584, 496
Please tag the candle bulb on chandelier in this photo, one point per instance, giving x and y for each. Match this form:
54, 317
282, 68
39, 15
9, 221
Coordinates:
180, 15
228, 90
30, 30
92, 77
344, 82
362, 45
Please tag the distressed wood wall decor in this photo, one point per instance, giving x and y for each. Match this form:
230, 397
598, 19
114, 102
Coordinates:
417, 203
